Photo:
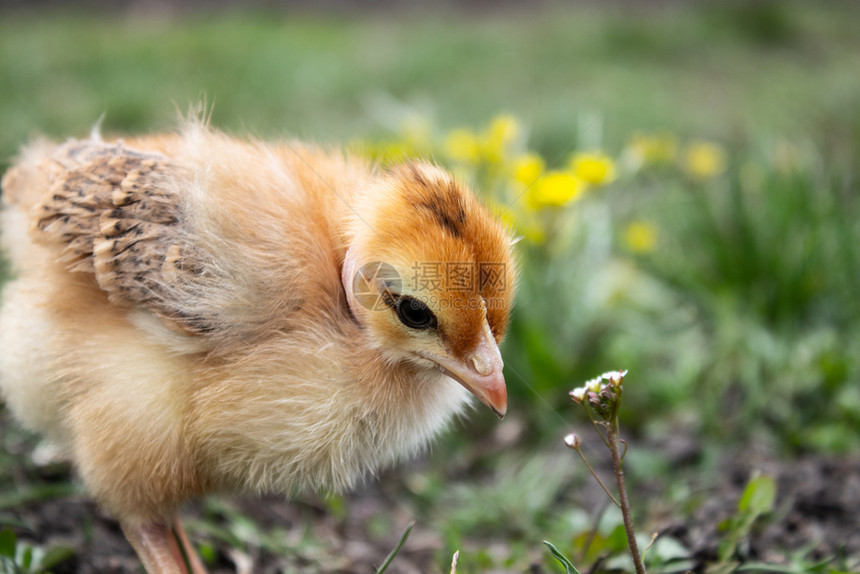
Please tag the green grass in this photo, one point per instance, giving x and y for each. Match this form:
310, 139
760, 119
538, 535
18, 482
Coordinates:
697, 71
742, 326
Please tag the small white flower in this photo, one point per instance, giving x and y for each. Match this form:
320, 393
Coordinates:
614, 377
594, 385
578, 394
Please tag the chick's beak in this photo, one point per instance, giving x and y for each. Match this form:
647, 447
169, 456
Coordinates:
480, 372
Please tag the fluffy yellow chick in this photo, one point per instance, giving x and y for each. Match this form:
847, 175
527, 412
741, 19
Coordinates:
192, 313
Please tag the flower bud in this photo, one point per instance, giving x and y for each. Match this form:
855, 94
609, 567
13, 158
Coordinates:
608, 395
573, 441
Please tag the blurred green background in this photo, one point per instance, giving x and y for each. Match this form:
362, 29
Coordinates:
735, 310
734, 71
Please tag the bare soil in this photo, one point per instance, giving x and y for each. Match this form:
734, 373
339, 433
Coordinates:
818, 513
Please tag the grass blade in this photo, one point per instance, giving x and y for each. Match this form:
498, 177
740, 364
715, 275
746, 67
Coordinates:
569, 568
397, 548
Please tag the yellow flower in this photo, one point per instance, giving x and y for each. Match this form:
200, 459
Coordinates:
502, 212
500, 134
704, 160
527, 168
503, 129
463, 145
529, 226
658, 148
417, 131
518, 220
384, 152
492, 146
640, 237
594, 168
556, 189
533, 234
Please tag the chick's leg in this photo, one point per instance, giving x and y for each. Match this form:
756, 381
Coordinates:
161, 550
181, 545
151, 541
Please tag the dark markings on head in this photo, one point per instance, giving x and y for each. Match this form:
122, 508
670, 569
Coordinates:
444, 204
447, 218
417, 175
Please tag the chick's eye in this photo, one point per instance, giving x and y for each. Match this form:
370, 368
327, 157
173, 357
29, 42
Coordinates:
414, 314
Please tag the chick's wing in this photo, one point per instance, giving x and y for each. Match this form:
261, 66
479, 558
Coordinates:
111, 211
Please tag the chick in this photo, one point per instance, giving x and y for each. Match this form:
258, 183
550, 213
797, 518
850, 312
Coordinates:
192, 313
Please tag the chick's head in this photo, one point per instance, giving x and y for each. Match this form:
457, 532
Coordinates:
429, 275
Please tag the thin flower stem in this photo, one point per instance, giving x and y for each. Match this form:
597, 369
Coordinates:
600, 433
624, 503
597, 478
596, 425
